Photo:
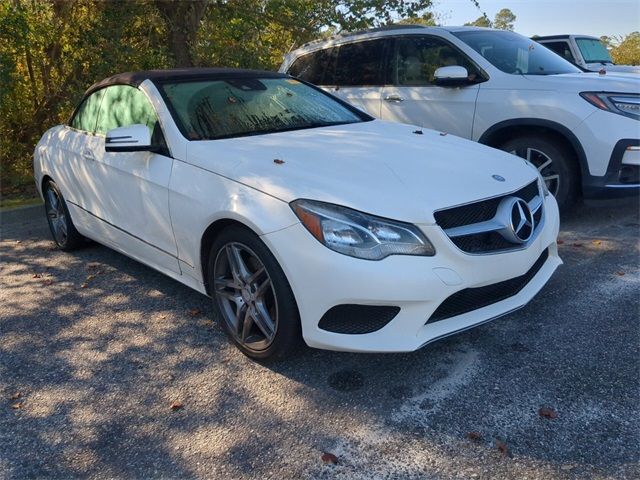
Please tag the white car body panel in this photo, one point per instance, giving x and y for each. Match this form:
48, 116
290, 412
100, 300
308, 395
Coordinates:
156, 209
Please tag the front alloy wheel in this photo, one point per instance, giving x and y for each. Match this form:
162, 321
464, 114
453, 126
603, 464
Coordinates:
246, 296
252, 296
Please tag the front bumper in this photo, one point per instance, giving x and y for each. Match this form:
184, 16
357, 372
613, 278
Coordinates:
613, 163
322, 279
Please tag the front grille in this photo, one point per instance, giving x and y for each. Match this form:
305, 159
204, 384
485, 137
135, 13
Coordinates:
471, 299
480, 211
486, 241
357, 319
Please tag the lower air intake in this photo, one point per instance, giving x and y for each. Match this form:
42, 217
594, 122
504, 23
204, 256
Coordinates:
357, 319
471, 299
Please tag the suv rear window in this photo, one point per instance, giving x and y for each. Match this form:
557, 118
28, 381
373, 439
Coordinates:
316, 67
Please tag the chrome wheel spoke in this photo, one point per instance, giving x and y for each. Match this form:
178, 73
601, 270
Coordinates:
222, 283
236, 262
240, 316
247, 323
544, 165
551, 178
262, 288
63, 226
263, 320
256, 275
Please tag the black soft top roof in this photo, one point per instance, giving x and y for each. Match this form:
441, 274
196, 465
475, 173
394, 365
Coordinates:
184, 74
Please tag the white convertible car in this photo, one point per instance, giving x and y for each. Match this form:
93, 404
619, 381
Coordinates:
301, 216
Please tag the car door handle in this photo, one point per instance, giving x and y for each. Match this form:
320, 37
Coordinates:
88, 154
393, 98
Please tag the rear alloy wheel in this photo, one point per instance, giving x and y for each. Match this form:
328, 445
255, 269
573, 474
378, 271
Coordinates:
554, 162
252, 296
62, 229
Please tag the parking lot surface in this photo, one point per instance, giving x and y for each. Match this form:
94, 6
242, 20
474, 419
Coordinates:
109, 369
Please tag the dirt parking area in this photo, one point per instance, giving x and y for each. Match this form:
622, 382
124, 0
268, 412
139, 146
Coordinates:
110, 370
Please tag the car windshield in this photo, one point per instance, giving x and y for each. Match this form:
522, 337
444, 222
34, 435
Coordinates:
213, 109
515, 54
593, 51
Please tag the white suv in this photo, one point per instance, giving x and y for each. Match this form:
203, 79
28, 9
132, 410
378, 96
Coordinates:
585, 51
499, 88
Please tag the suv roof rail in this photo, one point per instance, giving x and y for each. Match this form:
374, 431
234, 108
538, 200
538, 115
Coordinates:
395, 26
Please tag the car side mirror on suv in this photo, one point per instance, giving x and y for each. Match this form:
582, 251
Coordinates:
131, 138
451, 76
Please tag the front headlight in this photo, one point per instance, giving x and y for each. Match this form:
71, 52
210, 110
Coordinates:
358, 234
627, 104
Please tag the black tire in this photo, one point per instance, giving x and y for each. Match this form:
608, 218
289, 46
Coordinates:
563, 165
230, 296
63, 231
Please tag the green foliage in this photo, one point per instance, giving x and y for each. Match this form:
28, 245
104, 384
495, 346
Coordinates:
504, 20
626, 50
482, 21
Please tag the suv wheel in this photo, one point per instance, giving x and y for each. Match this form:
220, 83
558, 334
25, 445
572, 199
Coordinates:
251, 295
554, 161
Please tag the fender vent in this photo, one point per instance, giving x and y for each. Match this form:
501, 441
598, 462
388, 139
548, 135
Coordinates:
357, 319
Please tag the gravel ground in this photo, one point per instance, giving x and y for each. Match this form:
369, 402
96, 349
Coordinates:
95, 348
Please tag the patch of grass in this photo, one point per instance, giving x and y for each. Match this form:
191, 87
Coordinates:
10, 203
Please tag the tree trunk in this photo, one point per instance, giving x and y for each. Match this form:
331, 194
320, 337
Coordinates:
183, 20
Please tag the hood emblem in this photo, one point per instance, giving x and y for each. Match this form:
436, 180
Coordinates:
516, 215
499, 178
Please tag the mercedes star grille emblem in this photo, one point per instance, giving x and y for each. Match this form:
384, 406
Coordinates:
518, 220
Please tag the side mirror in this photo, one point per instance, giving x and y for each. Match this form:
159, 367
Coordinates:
451, 76
132, 138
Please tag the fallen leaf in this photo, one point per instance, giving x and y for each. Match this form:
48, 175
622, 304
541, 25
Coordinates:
474, 436
548, 412
47, 282
176, 405
502, 447
329, 458
560, 242
621, 274
597, 242
194, 312
90, 277
15, 396
17, 406
84, 285
18, 241
36, 275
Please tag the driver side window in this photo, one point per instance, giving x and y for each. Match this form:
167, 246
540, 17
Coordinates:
86, 116
124, 105
417, 58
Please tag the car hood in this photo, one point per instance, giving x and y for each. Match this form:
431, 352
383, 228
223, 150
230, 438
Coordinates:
587, 81
377, 167
610, 68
